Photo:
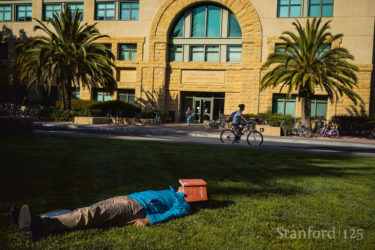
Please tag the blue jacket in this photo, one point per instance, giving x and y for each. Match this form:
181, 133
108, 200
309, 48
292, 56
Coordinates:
162, 205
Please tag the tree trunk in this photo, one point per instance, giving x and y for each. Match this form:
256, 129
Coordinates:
306, 114
67, 90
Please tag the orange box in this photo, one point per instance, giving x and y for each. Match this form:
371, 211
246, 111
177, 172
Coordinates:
194, 189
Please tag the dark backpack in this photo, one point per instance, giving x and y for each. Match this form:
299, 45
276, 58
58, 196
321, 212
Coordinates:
232, 116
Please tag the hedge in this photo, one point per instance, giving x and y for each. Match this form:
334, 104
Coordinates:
274, 120
94, 108
57, 114
353, 125
127, 110
78, 103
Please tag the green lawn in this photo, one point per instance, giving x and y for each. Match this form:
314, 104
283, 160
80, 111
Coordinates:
254, 194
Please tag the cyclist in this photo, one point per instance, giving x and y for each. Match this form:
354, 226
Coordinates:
238, 121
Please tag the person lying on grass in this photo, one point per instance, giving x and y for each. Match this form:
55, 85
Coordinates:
140, 209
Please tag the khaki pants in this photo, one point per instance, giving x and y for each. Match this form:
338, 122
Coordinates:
116, 211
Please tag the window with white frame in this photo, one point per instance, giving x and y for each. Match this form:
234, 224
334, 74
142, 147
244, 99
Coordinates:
289, 8
281, 104
280, 47
128, 52
305, 8
24, 12
49, 10
319, 106
5, 13
234, 53
76, 94
126, 95
129, 10
206, 33
175, 54
105, 11
101, 95
320, 8
204, 53
76, 7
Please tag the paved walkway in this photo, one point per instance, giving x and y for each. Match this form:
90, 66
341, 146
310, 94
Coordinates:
195, 130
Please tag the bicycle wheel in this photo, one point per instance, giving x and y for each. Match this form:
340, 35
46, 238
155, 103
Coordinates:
255, 138
334, 133
227, 136
321, 132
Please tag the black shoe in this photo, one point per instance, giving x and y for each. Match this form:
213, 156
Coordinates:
29, 224
15, 212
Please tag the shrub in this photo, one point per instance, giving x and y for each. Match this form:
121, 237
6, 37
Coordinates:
95, 108
56, 114
352, 125
128, 110
3, 112
148, 115
78, 103
274, 120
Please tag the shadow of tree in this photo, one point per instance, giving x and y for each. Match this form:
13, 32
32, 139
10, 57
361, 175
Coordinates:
123, 167
8, 76
356, 111
159, 101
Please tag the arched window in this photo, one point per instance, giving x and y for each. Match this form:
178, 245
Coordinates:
206, 33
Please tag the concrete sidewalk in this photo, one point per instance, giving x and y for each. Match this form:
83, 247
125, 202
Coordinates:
195, 130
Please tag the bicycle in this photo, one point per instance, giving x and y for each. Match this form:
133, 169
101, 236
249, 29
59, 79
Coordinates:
108, 118
156, 120
214, 124
119, 119
283, 128
300, 130
328, 131
254, 137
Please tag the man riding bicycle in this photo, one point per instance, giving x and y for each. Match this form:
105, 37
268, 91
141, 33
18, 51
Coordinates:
238, 121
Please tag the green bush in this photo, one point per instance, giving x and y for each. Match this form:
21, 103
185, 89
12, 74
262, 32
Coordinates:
57, 114
95, 108
274, 120
43, 102
3, 112
78, 103
128, 110
148, 115
352, 125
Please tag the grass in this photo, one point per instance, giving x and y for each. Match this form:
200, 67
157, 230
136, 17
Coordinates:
253, 193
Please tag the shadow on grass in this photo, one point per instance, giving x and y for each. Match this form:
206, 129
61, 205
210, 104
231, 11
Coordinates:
52, 172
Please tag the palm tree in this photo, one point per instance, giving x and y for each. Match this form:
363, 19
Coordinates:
306, 62
67, 56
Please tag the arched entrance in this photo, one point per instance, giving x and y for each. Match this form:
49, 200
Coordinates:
235, 81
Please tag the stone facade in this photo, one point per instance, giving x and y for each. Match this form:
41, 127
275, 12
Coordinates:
159, 83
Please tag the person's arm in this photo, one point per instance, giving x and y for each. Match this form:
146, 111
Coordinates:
243, 118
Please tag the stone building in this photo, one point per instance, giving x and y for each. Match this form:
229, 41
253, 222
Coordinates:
207, 55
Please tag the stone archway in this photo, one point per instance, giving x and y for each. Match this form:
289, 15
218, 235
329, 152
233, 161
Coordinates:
156, 76
243, 10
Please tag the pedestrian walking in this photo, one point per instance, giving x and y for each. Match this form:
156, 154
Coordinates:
188, 116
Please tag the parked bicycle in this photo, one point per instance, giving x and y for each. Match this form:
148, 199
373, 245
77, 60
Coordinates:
283, 128
328, 131
20, 111
157, 120
299, 129
254, 137
119, 118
